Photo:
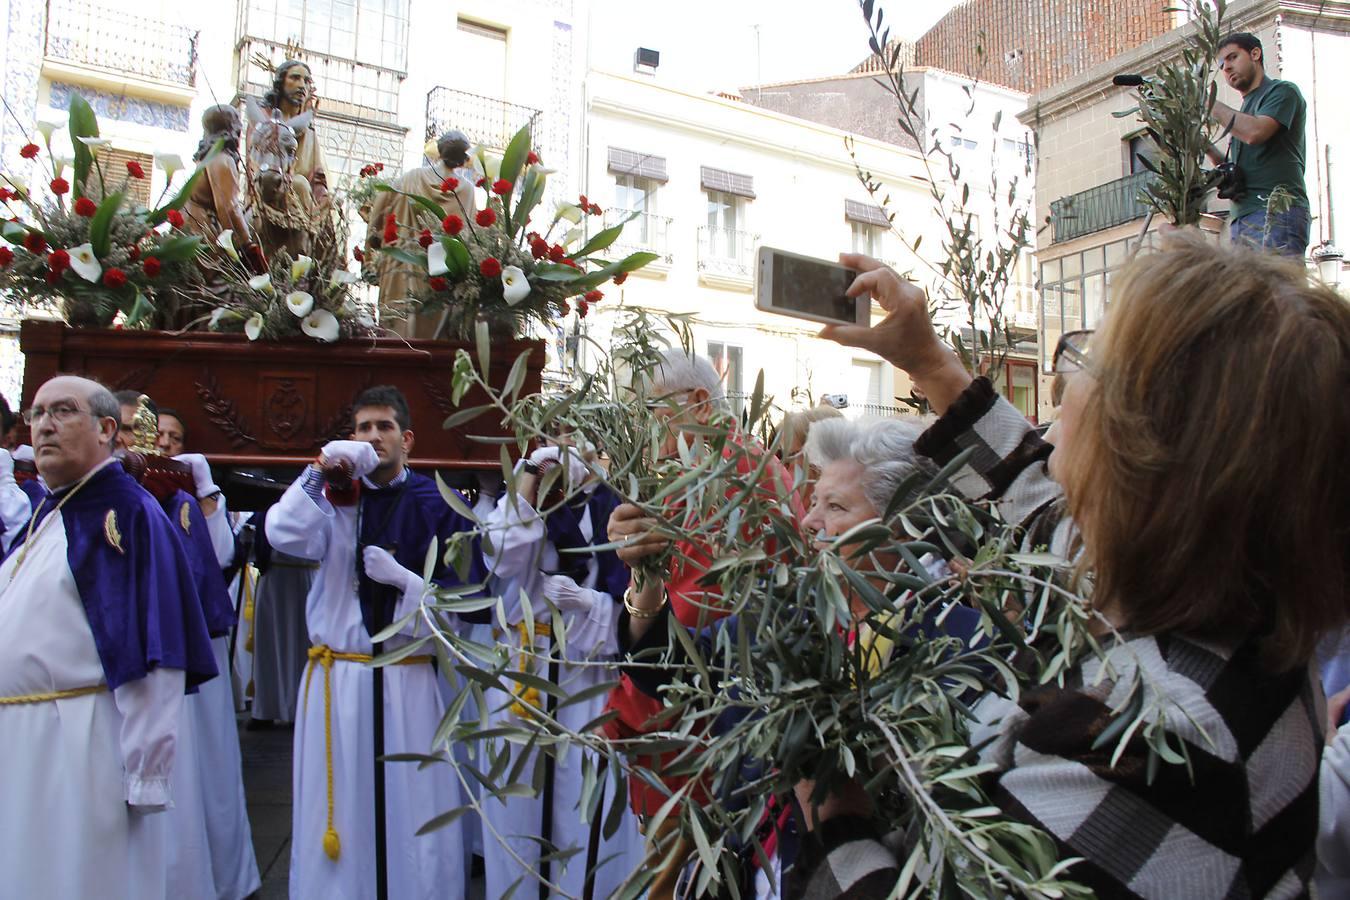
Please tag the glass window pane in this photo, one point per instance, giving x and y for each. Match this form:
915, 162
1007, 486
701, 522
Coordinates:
1050, 272
1092, 260
1051, 323
1094, 299
1072, 265
1073, 305
1115, 254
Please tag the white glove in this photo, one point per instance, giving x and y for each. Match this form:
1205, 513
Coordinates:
568, 596
6, 467
24, 452
358, 454
201, 473
382, 567
577, 470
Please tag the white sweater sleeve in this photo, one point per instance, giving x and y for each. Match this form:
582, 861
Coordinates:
150, 709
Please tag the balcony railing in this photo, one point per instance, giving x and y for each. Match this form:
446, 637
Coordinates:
724, 251
347, 89
643, 233
1099, 208
485, 120
108, 38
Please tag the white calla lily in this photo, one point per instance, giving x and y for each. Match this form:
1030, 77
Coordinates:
216, 315
342, 276
492, 167
573, 235
301, 267
515, 286
61, 162
300, 303
253, 327
94, 143
171, 163
262, 283
46, 127
322, 325
569, 211
475, 158
85, 263
226, 243
436, 264
17, 182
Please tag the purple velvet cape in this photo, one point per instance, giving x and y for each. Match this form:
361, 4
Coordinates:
206, 572
141, 600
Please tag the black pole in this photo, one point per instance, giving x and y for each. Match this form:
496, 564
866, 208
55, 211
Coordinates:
593, 846
381, 839
546, 811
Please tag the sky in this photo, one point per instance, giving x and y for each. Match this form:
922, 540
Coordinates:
730, 44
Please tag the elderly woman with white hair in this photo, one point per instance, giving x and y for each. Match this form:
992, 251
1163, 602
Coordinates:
862, 466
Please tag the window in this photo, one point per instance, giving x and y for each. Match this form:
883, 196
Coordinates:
1076, 291
864, 389
867, 239
634, 194
726, 220
729, 362
1019, 151
1137, 146
480, 60
1017, 381
369, 32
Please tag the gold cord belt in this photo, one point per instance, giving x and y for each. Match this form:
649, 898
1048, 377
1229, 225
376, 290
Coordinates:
325, 656
54, 695
527, 702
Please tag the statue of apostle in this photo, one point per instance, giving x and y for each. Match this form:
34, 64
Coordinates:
213, 206
449, 184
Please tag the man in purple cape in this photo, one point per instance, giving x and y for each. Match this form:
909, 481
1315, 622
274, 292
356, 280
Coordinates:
101, 633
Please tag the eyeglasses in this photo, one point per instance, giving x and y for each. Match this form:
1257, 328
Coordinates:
1071, 353
61, 412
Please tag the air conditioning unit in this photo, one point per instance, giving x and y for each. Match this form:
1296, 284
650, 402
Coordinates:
646, 60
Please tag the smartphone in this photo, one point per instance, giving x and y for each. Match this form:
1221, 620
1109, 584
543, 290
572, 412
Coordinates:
794, 285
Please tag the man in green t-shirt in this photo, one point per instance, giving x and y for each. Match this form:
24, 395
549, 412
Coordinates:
1267, 146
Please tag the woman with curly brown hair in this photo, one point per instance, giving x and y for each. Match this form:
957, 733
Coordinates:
1201, 451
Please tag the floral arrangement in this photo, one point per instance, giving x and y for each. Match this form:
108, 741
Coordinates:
493, 268
105, 259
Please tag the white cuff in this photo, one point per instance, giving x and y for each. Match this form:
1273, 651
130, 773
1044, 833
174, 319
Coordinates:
147, 794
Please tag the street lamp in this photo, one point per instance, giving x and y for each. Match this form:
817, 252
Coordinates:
1328, 260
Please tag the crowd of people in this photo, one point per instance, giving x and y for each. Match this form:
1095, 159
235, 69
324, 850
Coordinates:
1195, 482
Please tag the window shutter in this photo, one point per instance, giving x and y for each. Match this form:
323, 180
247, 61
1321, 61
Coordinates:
728, 182
114, 163
640, 165
866, 213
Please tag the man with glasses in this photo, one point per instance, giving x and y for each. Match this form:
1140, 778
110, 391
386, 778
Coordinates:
101, 633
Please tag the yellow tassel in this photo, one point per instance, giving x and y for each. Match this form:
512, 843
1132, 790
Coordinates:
528, 703
248, 644
331, 845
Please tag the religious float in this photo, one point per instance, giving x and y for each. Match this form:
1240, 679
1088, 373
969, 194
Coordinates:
230, 299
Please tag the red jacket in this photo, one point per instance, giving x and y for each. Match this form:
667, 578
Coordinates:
639, 713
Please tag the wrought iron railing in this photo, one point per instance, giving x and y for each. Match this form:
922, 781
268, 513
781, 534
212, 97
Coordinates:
725, 251
644, 232
108, 38
1099, 208
485, 120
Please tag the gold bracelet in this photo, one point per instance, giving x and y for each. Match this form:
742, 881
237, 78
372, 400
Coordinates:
635, 612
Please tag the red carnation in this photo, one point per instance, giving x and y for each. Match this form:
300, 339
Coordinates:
35, 242
424, 238
114, 278
60, 186
438, 283
582, 308
85, 207
594, 297
482, 182
621, 278
485, 217
595, 210
490, 268
6, 257
584, 202
58, 261
501, 187
538, 248
449, 185
556, 253
390, 229
151, 266
6, 194
175, 218
360, 257
570, 262
566, 309
531, 158
452, 224
30, 151
379, 167
134, 169
53, 277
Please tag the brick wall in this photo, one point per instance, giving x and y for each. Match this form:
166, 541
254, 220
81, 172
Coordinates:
1029, 45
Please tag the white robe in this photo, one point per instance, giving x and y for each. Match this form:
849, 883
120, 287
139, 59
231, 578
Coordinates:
83, 777
523, 555
420, 868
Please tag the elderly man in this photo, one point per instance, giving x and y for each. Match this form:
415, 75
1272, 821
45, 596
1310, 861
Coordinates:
101, 632
211, 840
691, 394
